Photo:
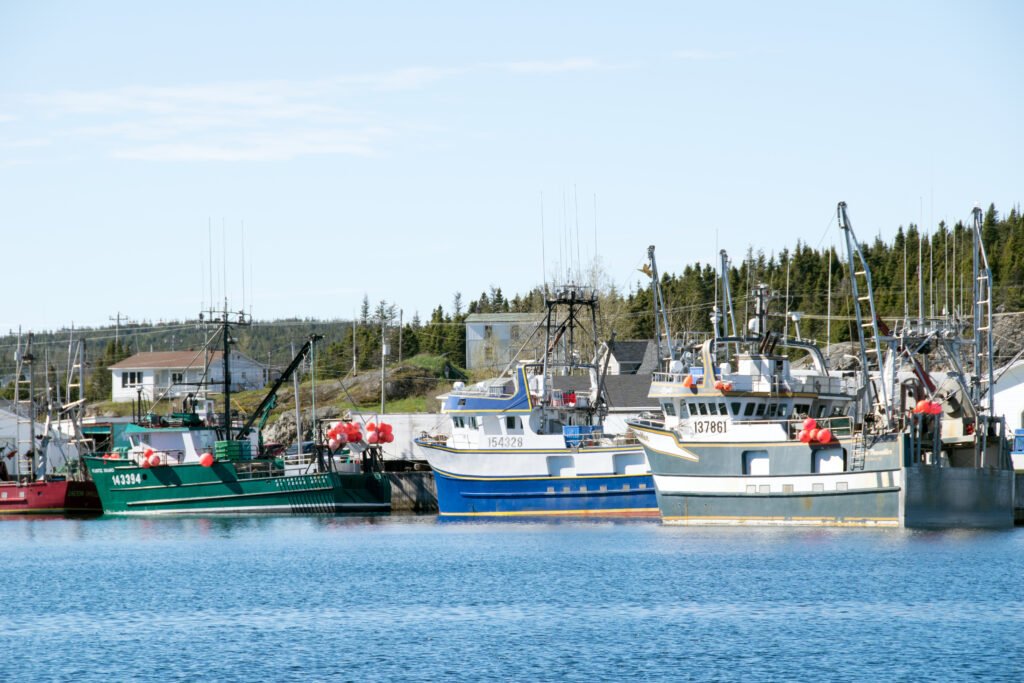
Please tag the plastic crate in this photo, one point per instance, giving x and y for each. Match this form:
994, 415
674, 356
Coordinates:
233, 450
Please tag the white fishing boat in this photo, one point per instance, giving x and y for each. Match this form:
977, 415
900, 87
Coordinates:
747, 439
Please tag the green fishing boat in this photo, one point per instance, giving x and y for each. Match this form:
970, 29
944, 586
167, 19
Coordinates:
258, 485
189, 462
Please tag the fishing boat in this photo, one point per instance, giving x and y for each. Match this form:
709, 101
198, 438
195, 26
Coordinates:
520, 447
40, 472
747, 438
193, 462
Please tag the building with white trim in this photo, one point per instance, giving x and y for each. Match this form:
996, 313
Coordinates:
176, 374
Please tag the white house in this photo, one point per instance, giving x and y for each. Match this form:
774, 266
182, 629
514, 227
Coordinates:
175, 374
1009, 396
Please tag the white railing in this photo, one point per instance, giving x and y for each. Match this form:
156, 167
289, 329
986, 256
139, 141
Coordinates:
818, 384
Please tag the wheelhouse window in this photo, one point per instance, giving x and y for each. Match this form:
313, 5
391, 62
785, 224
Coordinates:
736, 407
669, 409
511, 422
760, 410
702, 407
748, 410
722, 410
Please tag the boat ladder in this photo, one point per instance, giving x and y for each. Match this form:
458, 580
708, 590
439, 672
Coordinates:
858, 456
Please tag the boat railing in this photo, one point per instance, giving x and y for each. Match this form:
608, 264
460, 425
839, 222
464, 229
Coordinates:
601, 438
493, 391
433, 439
811, 385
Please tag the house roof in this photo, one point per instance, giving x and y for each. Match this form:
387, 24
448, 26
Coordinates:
166, 359
504, 317
639, 352
629, 350
622, 391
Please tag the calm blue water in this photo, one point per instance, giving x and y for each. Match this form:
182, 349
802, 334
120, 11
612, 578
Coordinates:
414, 598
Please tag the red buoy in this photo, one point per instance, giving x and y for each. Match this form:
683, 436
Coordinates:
809, 423
804, 435
206, 459
825, 435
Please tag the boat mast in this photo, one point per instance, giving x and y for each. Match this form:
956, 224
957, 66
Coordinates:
659, 304
227, 375
983, 342
225, 325
859, 269
29, 358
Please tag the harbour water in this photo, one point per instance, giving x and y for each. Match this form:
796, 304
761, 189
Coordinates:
417, 598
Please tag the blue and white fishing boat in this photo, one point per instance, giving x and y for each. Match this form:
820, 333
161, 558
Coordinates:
518, 446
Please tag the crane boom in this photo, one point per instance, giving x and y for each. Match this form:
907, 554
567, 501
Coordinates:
270, 400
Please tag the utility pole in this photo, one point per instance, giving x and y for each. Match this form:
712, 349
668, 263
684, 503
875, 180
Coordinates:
117, 325
400, 312
383, 360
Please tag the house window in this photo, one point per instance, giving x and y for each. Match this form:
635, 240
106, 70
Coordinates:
177, 377
131, 379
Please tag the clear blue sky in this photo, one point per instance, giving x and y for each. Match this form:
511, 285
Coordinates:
402, 149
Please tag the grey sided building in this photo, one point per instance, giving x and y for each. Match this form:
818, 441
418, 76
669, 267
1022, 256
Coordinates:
494, 339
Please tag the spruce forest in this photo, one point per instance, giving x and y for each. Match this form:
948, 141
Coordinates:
807, 278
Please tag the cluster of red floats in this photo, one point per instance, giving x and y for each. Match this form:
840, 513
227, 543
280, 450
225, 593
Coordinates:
927, 408
342, 433
810, 432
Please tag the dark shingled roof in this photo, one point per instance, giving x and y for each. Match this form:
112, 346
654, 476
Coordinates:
636, 355
624, 392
